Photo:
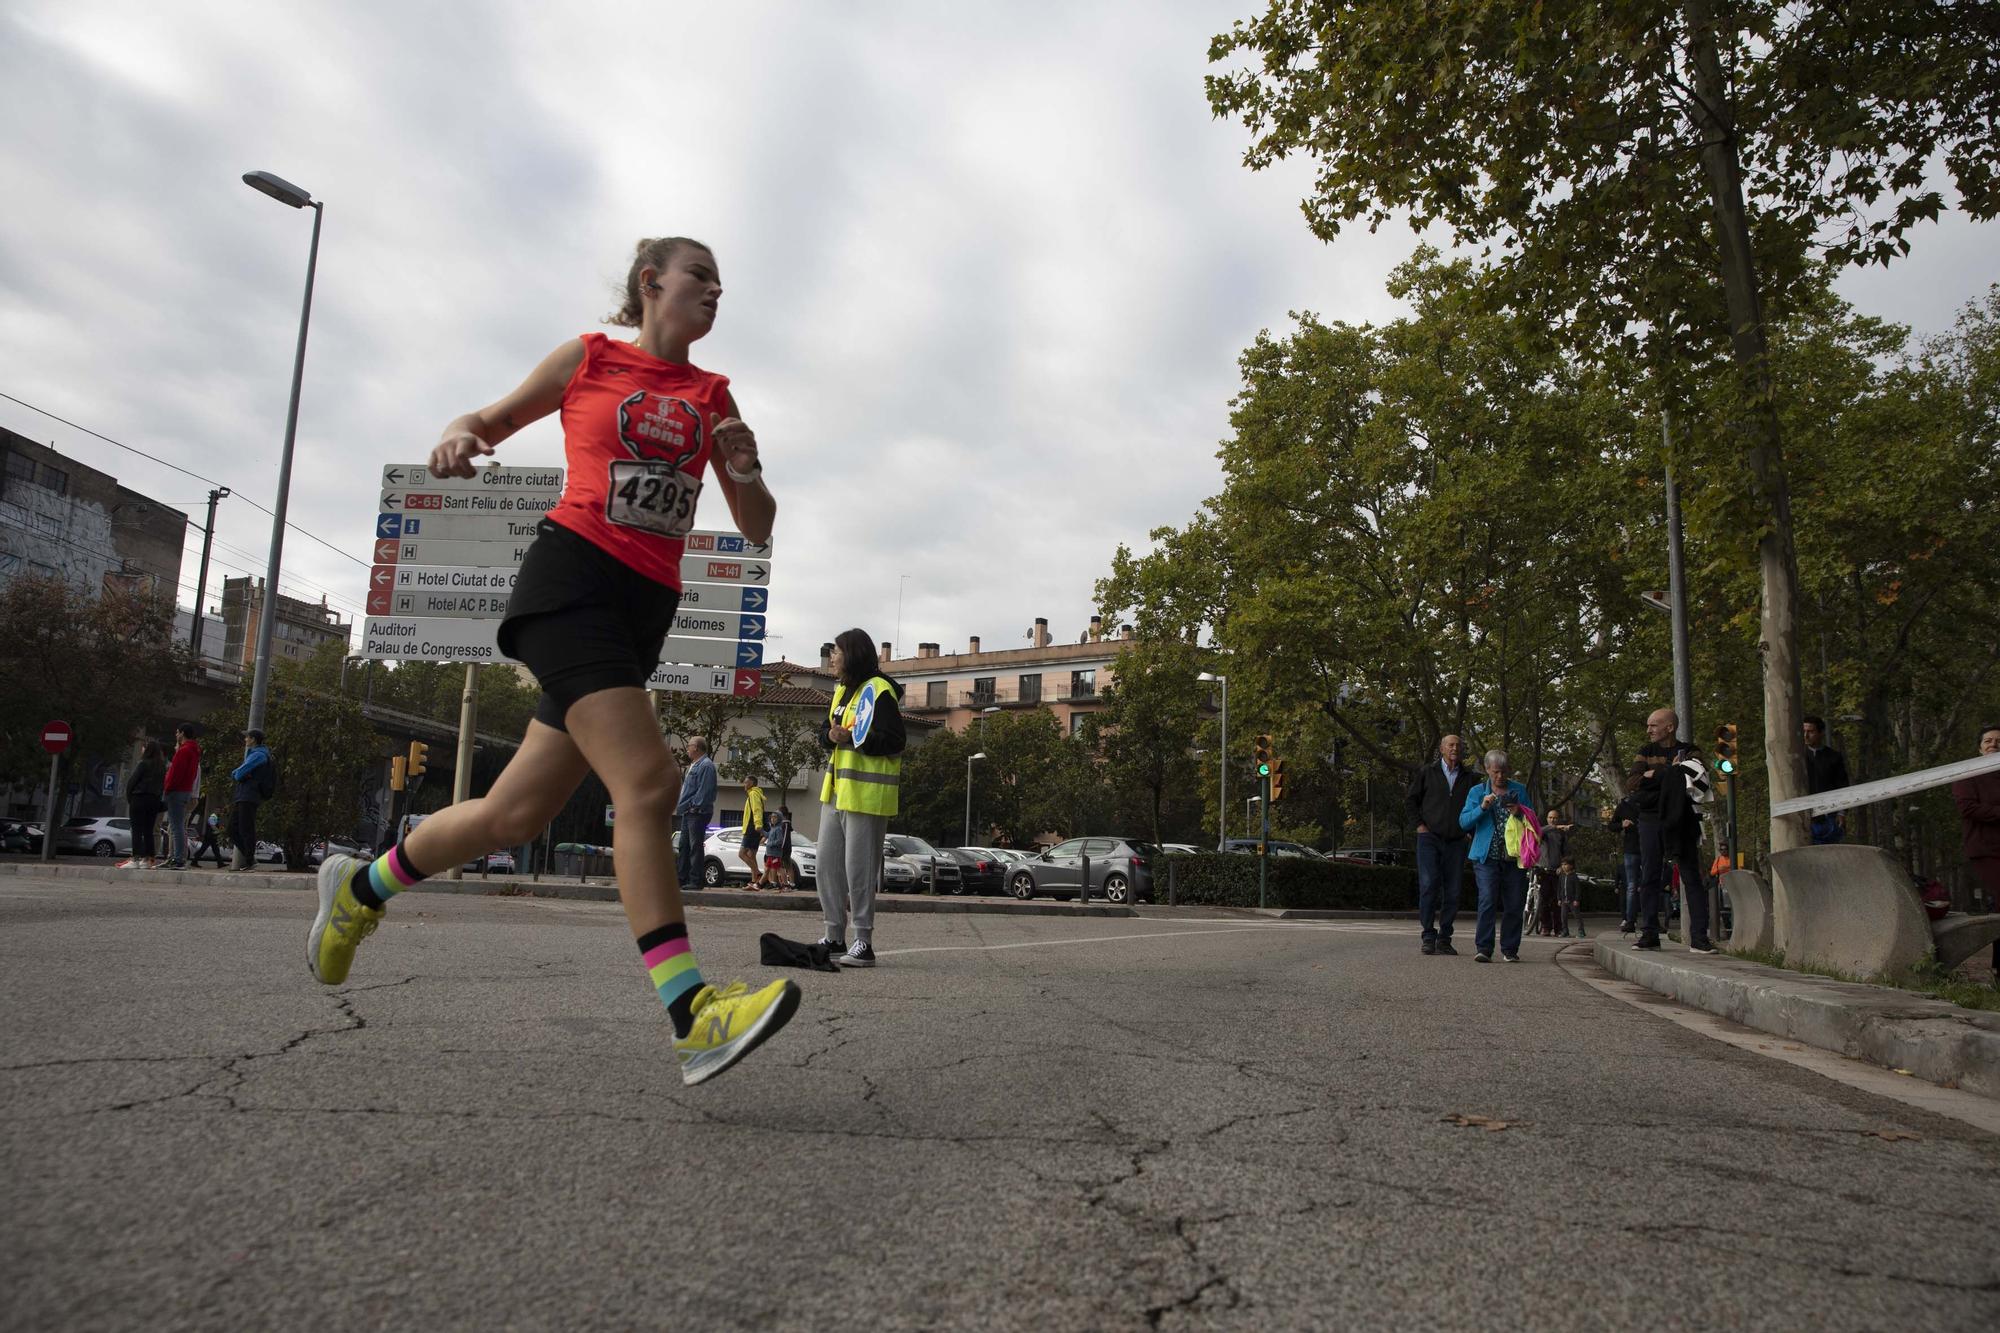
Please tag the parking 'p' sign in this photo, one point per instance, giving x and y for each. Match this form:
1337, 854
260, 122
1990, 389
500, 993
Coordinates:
55, 737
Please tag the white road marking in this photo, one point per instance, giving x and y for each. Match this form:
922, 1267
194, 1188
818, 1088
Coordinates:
1955, 1103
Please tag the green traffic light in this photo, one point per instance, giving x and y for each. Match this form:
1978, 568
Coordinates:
1263, 770
1727, 765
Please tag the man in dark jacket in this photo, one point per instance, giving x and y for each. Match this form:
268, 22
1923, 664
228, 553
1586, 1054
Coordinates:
1670, 833
1826, 770
1978, 800
1435, 796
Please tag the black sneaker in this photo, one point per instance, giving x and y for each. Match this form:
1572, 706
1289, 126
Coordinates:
1702, 946
1510, 958
834, 948
1444, 946
1648, 942
1430, 946
860, 955
1482, 958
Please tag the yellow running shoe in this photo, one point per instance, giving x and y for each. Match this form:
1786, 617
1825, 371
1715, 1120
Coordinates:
342, 922
729, 1024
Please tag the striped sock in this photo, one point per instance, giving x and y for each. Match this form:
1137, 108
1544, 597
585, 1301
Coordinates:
388, 875
670, 962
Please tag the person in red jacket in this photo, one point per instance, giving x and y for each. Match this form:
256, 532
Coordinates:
1978, 801
183, 777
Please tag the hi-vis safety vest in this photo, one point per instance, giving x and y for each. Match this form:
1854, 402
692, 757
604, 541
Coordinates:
863, 784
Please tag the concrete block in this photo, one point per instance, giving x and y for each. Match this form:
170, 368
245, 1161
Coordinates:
1750, 924
1847, 907
1959, 936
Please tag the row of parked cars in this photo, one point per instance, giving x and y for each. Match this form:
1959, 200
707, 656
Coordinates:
1121, 869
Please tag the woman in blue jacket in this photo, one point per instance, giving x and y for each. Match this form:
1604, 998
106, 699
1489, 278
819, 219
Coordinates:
1503, 885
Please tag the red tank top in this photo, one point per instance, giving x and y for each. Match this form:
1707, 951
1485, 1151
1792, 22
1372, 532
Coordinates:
636, 436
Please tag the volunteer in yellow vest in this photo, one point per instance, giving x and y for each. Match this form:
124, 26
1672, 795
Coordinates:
753, 832
864, 737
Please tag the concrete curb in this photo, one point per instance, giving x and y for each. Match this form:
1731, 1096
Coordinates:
1929, 1038
509, 886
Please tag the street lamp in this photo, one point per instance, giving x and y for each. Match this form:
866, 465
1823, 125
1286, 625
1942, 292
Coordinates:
968, 796
293, 197
1222, 801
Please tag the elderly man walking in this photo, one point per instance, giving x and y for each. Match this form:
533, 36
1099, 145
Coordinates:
695, 808
1669, 834
1503, 885
1435, 796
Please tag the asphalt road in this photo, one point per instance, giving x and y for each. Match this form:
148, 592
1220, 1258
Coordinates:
1014, 1122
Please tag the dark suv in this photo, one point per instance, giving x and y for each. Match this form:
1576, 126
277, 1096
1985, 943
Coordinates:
1121, 870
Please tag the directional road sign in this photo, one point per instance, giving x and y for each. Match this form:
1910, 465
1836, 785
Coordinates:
486, 527
404, 551
692, 624
495, 501
451, 605
724, 597
417, 476
706, 680
713, 652
726, 543
440, 578
431, 639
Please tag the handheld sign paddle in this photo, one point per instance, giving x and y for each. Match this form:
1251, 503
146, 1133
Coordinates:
864, 713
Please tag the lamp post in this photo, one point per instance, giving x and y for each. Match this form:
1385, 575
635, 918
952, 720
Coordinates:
260, 682
968, 796
1222, 801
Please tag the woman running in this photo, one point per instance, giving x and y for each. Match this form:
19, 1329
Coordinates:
591, 607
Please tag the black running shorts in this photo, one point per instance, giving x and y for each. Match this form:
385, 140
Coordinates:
583, 621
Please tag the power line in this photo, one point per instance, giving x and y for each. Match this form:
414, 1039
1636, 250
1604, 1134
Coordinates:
234, 494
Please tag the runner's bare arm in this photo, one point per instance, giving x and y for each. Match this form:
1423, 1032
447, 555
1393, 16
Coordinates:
750, 502
476, 433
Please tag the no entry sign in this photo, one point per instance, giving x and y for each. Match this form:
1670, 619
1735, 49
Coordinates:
55, 737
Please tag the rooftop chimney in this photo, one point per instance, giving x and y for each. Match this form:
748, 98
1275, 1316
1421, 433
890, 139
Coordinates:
826, 655
1041, 635
1096, 628
887, 650
1125, 633
975, 645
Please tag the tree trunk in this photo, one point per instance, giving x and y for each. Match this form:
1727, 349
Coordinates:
1777, 625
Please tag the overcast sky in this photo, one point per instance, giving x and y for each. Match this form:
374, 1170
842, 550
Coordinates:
987, 269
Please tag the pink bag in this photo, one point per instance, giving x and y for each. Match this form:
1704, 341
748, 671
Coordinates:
1531, 841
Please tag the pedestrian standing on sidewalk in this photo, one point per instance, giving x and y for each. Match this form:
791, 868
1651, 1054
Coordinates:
252, 778
1826, 770
1978, 800
695, 809
751, 854
183, 777
144, 799
778, 850
864, 736
595, 596
210, 826
1548, 871
1625, 821
1503, 885
1433, 800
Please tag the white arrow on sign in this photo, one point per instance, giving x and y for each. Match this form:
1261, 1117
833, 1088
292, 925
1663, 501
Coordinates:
417, 476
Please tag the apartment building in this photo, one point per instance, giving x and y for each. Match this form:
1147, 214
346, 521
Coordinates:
1069, 679
63, 519
300, 629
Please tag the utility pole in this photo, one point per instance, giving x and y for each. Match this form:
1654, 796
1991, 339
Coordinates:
1677, 592
201, 579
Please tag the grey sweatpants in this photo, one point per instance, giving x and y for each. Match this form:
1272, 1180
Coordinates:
850, 870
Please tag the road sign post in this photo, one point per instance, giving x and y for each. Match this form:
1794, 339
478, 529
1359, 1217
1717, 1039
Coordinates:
461, 778
1264, 847
55, 739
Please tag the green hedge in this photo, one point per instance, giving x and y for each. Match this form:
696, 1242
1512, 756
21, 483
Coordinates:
1213, 879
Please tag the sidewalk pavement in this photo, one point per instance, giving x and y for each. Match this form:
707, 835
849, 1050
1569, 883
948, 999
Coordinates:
1900, 1030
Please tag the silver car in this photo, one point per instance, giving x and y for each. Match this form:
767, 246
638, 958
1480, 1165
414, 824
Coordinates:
96, 835
923, 860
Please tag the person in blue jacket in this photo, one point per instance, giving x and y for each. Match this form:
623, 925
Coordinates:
249, 792
1503, 885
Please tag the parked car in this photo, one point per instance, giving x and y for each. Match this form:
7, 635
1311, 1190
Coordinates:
722, 858
319, 851
270, 852
922, 858
499, 862
805, 855
1012, 856
979, 871
1278, 848
17, 835
1183, 848
1374, 856
96, 835
1121, 869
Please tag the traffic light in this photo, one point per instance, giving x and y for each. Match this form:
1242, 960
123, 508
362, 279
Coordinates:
399, 774
420, 754
1278, 780
1725, 755
1264, 755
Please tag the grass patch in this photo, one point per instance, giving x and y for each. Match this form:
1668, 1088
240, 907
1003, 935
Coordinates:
1926, 978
